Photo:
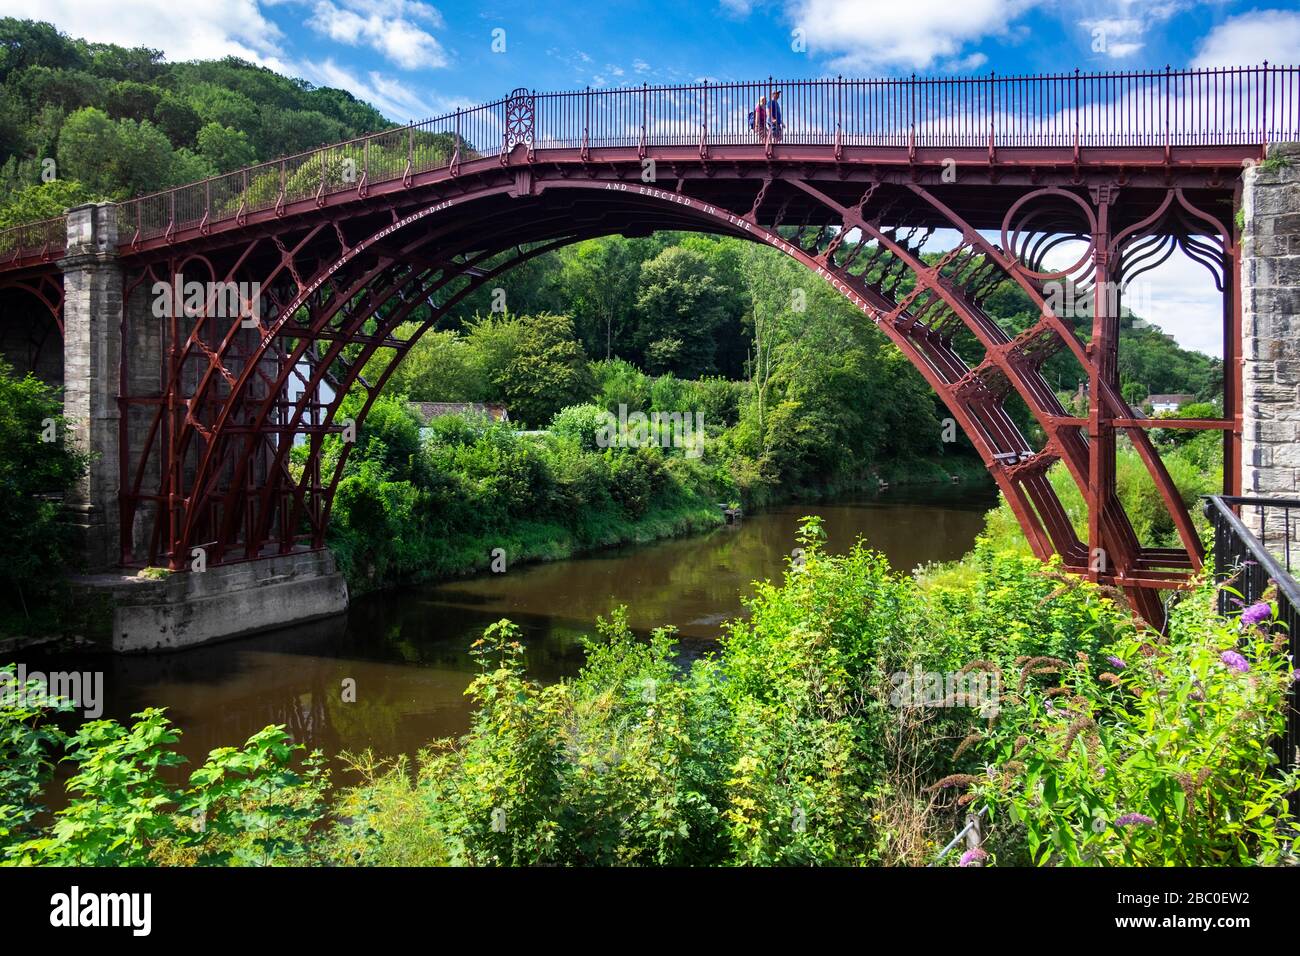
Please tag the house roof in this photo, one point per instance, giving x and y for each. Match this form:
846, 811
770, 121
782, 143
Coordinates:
1173, 399
428, 411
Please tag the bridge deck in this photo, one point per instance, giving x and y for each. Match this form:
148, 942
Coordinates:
1051, 128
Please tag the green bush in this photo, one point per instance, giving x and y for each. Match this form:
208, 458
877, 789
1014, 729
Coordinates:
250, 805
1105, 744
1155, 755
581, 423
39, 465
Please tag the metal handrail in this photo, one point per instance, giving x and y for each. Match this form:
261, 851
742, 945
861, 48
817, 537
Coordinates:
1221, 507
972, 825
1166, 108
1242, 557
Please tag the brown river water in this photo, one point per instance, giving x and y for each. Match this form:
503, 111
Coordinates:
408, 650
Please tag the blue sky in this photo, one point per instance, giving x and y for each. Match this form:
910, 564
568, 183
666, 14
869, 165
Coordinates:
414, 59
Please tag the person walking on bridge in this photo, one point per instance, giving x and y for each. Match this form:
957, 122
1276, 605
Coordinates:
758, 118
774, 116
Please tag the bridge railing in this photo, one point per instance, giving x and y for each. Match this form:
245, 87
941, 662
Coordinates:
1154, 108
47, 239
1250, 562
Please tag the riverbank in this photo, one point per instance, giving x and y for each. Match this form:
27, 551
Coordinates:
687, 512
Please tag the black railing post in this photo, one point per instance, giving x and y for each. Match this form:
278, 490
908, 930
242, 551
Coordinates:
1242, 558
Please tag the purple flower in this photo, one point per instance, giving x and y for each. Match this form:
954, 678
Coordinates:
1134, 819
1295, 676
1256, 613
973, 856
1115, 662
1234, 662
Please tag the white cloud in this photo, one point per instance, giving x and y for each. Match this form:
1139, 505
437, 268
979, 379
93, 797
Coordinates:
738, 8
202, 29
1115, 37
641, 66
400, 40
1179, 296
913, 34
390, 96
965, 64
1251, 38
1118, 28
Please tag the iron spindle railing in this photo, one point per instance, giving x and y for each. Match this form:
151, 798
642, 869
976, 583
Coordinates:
1250, 562
1228, 106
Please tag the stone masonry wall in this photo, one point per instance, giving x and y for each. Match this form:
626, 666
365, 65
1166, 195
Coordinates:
92, 316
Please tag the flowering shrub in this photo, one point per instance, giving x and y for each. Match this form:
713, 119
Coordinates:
1154, 754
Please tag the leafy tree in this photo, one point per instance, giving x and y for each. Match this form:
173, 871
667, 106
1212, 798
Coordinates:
225, 148
38, 466
441, 367
43, 201
178, 119
121, 158
128, 99
29, 42
139, 64
1135, 393
225, 107
283, 132
600, 280
680, 298
534, 364
67, 89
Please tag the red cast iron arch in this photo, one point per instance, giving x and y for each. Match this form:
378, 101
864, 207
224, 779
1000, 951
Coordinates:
418, 255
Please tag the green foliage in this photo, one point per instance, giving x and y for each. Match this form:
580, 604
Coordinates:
534, 363
683, 304
122, 122
43, 201
28, 747
1156, 755
226, 149
408, 511
1107, 745
123, 158
788, 748
39, 465
581, 423
244, 806
442, 366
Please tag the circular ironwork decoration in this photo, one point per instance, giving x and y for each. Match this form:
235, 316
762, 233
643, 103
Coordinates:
520, 109
1050, 218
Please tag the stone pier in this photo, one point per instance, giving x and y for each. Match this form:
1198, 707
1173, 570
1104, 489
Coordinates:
183, 608
92, 351
1270, 313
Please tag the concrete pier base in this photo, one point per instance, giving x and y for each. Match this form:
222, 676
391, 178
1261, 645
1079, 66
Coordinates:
187, 609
